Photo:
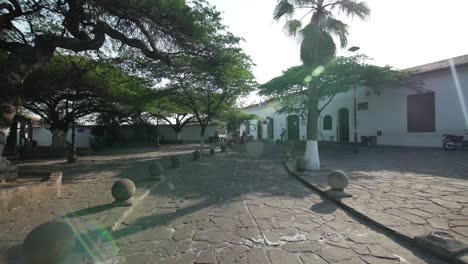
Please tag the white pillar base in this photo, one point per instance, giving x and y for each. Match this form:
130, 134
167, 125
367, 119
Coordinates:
312, 155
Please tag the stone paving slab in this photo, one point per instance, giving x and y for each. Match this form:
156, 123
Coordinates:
408, 204
85, 201
230, 208
245, 208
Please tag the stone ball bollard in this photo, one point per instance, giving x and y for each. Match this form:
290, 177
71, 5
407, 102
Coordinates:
123, 191
212, 152
301, 164
338, 180
175, 161
156, 170
223, 148
288, 155
50, 243
196, 155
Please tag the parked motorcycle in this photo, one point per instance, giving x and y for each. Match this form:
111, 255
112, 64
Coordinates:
452, 142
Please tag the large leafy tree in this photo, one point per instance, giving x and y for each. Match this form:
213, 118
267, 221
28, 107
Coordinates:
233, 118
210, 86
339, 76
171, 111
32, 30
73, 87
317, 47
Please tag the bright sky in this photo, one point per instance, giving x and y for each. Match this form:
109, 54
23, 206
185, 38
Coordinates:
400, 33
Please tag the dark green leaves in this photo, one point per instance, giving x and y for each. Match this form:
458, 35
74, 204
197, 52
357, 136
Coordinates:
283, 8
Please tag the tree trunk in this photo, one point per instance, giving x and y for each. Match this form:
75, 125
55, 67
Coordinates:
311, 155
13, 72
202, 139
179, 137
8, 110
72, 148
12, 140
59, 141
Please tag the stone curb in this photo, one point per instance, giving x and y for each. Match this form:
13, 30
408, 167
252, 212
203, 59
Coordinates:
409, 240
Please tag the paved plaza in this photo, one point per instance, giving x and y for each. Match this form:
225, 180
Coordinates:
412, 191
236, 207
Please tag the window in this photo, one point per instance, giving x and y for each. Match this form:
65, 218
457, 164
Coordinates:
327, 123
363, 106
421, 112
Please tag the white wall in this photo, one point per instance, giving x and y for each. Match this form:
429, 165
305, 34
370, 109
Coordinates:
43, 136
387, 112
279, 121
188, 134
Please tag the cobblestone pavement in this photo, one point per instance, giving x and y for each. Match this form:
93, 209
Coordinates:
410, 190
245, 208
85, 198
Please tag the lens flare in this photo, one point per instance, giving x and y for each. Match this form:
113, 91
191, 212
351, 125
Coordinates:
461, 95
96, 241
319, 70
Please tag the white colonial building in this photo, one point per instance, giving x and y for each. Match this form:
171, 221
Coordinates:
395, 116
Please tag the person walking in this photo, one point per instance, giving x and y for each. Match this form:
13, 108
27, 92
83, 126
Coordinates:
282, 134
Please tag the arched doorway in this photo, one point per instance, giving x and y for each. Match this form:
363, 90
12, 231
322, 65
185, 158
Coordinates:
270, 127
293, 127
343, 125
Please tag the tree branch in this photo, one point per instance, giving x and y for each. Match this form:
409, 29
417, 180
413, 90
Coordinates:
326, 104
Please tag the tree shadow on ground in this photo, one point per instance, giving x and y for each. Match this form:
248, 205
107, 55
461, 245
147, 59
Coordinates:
89, 211
212, 182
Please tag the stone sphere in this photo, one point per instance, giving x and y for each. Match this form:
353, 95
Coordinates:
196, 155
49, 243
223, 148
123, 190
301, 164
156, 169
175, 161
338, 180
212, 152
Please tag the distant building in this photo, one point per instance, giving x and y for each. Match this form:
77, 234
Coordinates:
395, 116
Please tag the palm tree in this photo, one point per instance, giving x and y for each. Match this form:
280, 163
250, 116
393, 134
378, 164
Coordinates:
317, 47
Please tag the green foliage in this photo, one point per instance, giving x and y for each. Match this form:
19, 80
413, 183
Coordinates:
72, 87
209, 85
318, 47
339, 76
317, 44
233, 118
161, 31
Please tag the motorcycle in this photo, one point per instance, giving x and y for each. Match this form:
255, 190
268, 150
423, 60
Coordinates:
452, 142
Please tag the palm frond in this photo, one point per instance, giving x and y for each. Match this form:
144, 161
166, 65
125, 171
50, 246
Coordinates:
283, 8
337, 28
293, 27
352, 8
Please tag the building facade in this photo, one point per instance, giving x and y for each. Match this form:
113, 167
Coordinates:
395, 116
